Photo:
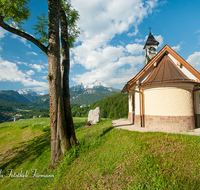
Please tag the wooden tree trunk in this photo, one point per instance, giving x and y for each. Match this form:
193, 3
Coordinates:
62, 128
54, 80
65, 78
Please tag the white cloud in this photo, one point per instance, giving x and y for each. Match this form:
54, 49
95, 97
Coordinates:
10, 72
197, 31
139, 40
100, 21
37, 67
22, 63
104, 19
2, 33
31, 53
44, 77
160, 39
178, 47
30, 72
134, 48
14, 25
194, 60
23, 40
110, 72
98, 57
134, 33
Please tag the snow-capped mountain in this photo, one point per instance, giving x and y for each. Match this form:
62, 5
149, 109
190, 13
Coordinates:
29, 94
26, 91
87, 94
78, 88
97, 85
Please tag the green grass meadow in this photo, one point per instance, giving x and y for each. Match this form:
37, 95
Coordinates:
105, 158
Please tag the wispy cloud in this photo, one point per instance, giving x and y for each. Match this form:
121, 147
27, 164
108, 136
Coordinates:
134, 33
14, 25
134, 48
10, 72
31, 53
160, 39
197, 31
194, 60
177, 47
37, 67
22, 63
23, 40
44, 77
2, 35
100, 22
30, 72
139, 40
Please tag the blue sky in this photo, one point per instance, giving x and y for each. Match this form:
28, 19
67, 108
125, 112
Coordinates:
110, 46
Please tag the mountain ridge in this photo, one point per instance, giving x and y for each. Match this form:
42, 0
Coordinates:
79, 94
87, 94
97, 85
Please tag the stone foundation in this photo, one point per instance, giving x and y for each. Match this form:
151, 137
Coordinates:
137, 120
131, 117
134, 119
169, 123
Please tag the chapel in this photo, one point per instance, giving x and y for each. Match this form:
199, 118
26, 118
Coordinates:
164, 94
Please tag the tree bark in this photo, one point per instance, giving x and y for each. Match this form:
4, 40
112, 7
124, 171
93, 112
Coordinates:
65, 78
62, 128
54, 80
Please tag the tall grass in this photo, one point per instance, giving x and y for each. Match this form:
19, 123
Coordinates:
105, 158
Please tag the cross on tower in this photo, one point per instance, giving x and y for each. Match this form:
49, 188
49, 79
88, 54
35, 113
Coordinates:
149, 29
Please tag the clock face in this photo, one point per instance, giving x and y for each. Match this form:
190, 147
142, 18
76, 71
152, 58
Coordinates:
152, 50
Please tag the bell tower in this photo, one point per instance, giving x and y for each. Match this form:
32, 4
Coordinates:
150, 48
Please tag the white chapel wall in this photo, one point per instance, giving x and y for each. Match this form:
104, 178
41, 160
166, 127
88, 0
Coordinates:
168, 102
136, 99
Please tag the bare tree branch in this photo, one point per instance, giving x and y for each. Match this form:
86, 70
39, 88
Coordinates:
22, 34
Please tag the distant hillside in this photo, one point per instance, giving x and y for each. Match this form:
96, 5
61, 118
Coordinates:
22, 95
12, 96
11, 106
23, 100
89, 96
29, 94
80, 94
42, 102
114, 107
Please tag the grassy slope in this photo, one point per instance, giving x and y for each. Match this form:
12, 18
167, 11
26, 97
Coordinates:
105, 158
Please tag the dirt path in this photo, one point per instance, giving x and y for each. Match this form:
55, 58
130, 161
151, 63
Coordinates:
125, 124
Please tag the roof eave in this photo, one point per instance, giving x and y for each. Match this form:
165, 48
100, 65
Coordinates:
170, 82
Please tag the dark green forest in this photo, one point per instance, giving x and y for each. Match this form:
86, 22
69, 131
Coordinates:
113, 107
